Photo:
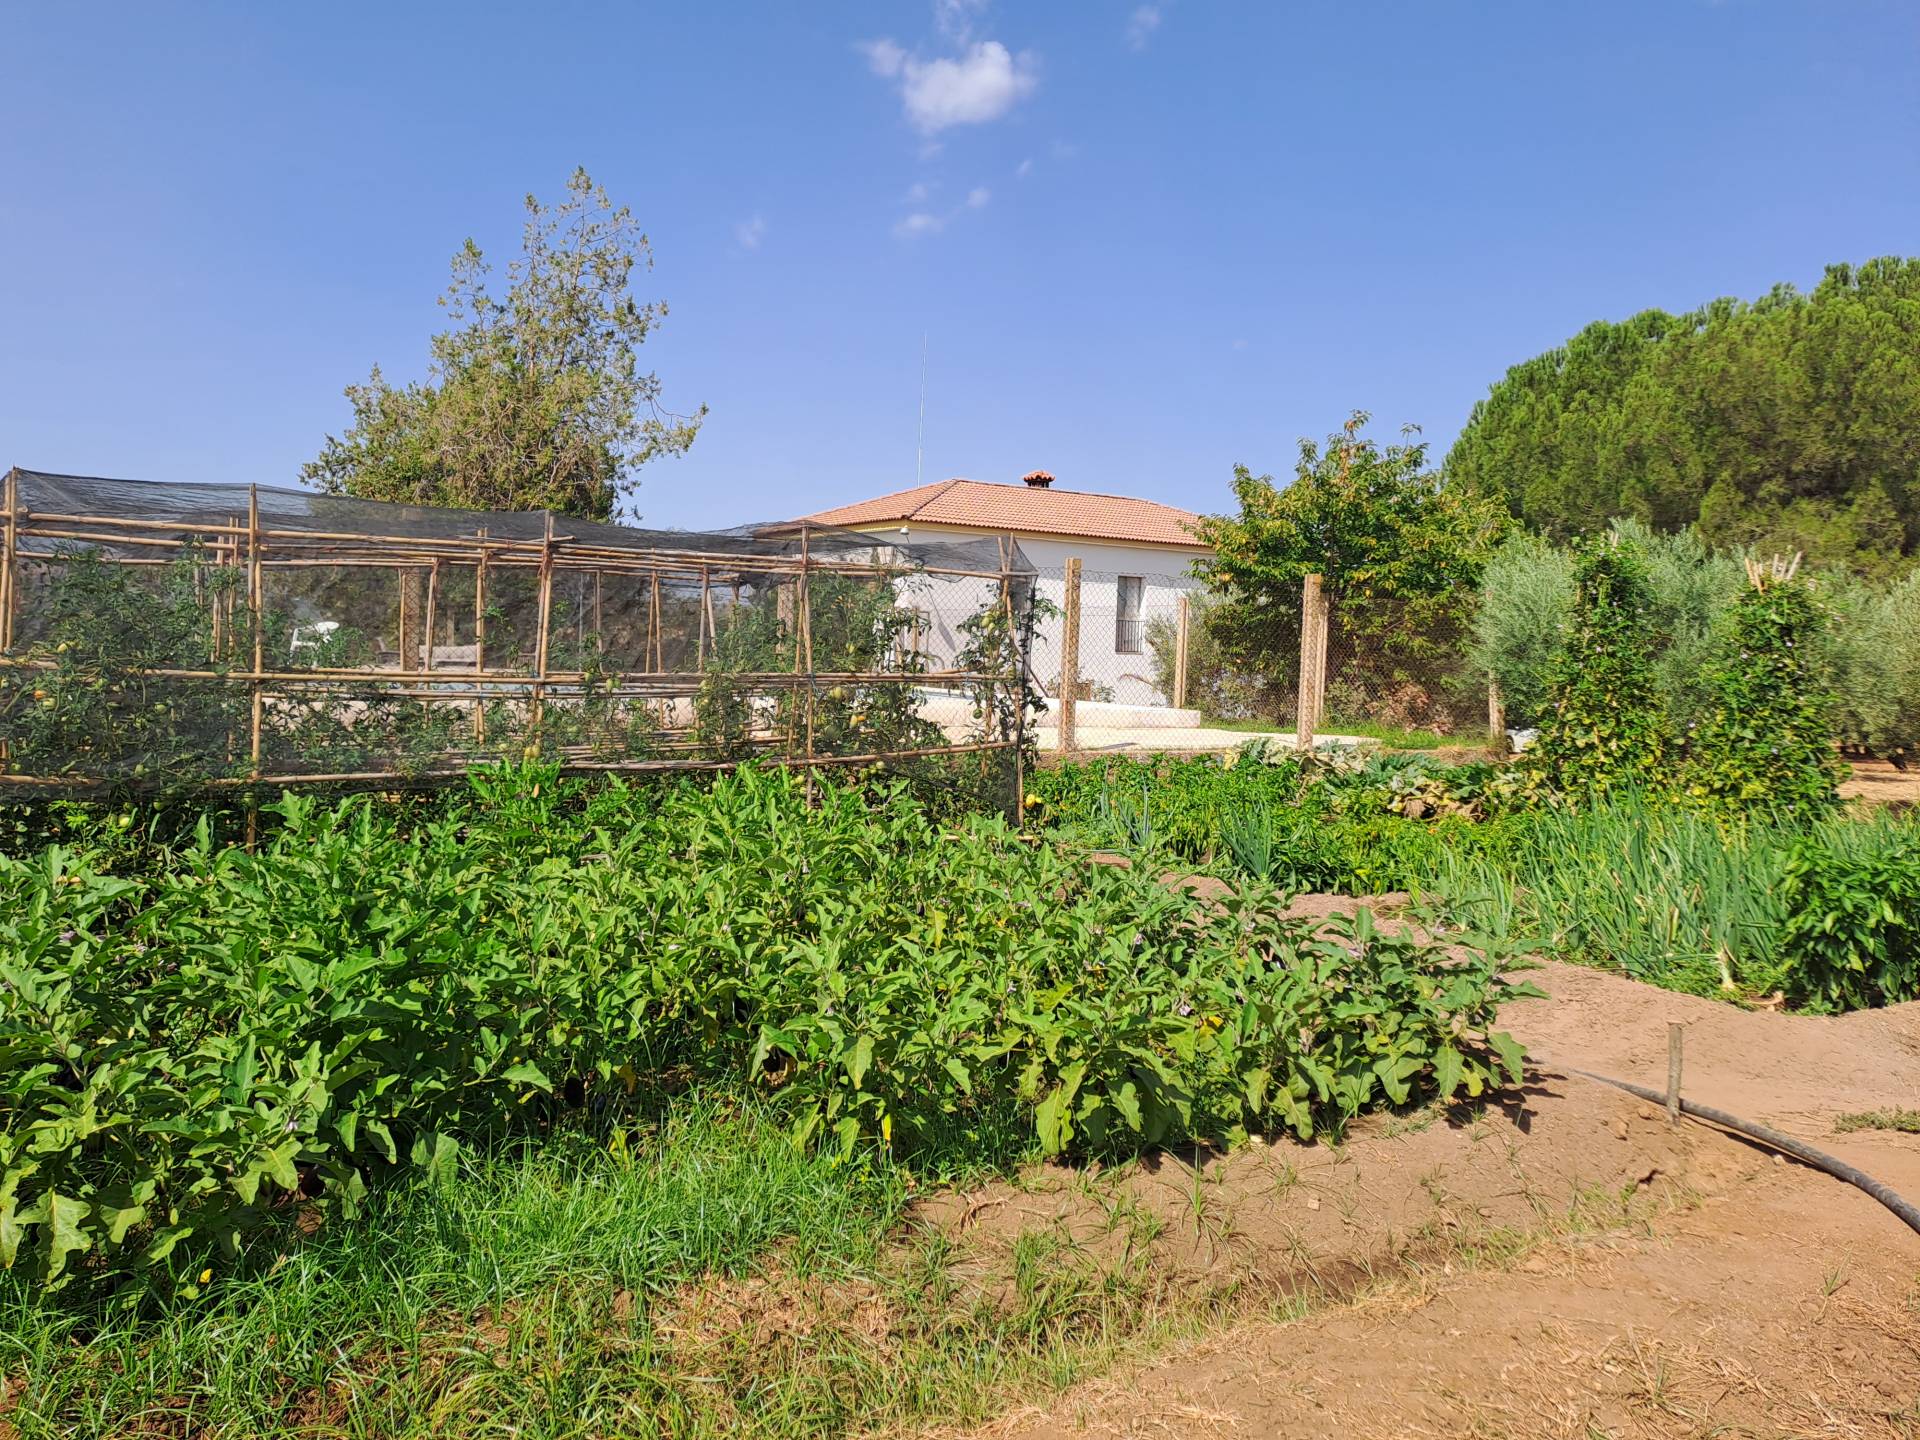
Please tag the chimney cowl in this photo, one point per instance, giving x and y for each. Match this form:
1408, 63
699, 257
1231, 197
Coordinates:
1037, 479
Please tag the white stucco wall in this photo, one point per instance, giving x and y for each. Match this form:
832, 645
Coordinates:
1126, 678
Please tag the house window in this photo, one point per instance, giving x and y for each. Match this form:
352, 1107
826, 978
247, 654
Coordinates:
1127, 629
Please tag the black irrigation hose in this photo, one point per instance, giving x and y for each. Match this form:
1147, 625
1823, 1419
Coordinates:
1800, 1151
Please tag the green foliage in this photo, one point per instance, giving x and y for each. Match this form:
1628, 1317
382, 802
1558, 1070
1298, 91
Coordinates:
536, 400
1604, 729
189, 1048
1851, 896
1791, 423
1632, 883
1400, 552
1768, 739
91, 710
1872, 656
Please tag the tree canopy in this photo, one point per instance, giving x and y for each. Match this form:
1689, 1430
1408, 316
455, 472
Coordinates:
534, 399
1373, 520
1791, 422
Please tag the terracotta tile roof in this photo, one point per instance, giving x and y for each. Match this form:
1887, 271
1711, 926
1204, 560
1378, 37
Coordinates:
1023, 510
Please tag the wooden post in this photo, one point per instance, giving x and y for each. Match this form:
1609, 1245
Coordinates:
256, 609
480, 641
706, 616
1069, 654
599, 613
7, 561
1018, 660
656, 646
1313, 661
1496, 717
1675, 1034
401, 638
433, 611
540, 642
803, 652
1180, 625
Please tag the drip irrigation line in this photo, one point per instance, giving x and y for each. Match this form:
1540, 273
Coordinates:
1799, 1149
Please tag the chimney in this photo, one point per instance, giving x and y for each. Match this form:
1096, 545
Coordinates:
1037, 479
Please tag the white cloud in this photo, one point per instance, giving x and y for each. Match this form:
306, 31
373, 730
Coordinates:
954, 18
920, 222
982, 83
1023, 169
918, 192
1141, 25
749, 233
883, 56
978, 196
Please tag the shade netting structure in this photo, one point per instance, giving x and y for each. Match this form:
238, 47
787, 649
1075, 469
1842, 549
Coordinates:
170, 636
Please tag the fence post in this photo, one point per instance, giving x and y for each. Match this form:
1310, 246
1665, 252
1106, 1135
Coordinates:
1496, 717
1069, 653
1180, 655
11, 543
1313, 660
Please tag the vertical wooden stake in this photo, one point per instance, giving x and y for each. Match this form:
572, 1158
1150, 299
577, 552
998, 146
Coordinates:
656, 647
256, 611
1180, 654
401, 575
1313, 661
599, 611
803, 650
433, 611
706, 621
1496, 717
7, 548
480, 641
1675, 1035
1017, 684
540, 642
1069, 655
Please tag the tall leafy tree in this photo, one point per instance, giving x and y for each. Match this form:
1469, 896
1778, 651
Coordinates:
1398, 547
535, 398
1791, 422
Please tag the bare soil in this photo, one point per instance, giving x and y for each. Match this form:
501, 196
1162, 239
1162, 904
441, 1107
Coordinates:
1561, 1263
1878, 782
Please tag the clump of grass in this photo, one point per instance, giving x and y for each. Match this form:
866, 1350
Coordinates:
1896, 1118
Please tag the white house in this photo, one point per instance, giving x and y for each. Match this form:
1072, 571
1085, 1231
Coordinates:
1136, 559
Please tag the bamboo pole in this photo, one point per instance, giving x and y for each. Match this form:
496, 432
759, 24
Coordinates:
540, 643
1019, 686
256, 609
656, 641
706, 620
8, 560
1180, 654
433, 612
803, 651
1069, 655
480, 640
460, 772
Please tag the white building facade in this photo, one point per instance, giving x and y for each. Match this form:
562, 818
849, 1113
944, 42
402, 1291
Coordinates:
1136, 563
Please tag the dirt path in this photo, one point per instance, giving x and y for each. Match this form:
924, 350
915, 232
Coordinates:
1669, 1282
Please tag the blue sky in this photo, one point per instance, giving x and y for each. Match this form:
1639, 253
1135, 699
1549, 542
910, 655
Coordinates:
1146, 240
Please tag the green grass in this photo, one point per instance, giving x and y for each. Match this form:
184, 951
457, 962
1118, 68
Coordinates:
703, 1278
1898, 1118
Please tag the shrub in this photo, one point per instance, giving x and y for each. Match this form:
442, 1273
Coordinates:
1851, 936
1872, 657
190, 1049
1604, 729
1768, 738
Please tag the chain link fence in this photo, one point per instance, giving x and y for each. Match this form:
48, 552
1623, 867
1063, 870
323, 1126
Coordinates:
1161, 664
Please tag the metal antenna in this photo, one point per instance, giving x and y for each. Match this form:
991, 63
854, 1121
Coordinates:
920, 443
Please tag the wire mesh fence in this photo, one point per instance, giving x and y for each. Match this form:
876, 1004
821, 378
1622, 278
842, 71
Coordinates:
1160, 663
161, 636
